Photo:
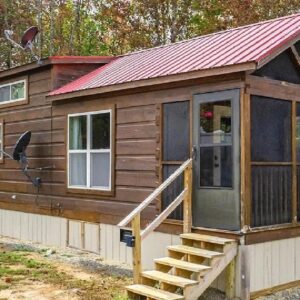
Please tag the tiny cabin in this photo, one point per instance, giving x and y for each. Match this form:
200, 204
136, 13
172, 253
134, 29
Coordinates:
183, 158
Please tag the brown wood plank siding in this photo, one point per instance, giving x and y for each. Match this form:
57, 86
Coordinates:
36, 117
65, 73
137, 137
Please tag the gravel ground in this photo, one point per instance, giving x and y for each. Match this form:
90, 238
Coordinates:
213, 294
93, 263
290, 294
86, 260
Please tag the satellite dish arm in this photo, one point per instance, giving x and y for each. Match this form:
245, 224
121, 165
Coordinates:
7, 34
7, 154
36, 182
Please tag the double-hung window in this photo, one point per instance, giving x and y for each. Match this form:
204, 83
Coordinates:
89, 150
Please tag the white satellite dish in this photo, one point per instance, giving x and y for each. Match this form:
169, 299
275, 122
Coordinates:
26, 40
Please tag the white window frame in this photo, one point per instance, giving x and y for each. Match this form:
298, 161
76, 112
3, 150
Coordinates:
13, 83
90, 151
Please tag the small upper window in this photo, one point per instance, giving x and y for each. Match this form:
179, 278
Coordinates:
13, 91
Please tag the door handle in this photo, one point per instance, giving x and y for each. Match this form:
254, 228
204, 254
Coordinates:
194, 152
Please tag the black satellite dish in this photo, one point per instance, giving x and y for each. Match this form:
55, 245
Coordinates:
21, 145
28, 37
19, 154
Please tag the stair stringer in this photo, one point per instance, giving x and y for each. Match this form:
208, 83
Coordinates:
194, 292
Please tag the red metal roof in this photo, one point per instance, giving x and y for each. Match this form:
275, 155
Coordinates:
252, 43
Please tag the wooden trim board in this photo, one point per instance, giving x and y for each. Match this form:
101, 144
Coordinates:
274, 289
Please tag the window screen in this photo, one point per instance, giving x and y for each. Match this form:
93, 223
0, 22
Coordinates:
176, 147
270, 130
176, 140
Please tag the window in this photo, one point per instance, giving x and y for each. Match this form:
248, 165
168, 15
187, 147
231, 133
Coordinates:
14, 91
271, 161
176, 149
215, 144
270, 130
89, 155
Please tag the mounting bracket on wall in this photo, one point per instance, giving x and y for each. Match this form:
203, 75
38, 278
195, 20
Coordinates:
19, 154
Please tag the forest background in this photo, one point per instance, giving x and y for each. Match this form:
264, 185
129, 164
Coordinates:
114, 27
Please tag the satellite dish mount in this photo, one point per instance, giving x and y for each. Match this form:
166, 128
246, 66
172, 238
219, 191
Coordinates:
26, 40
19, 154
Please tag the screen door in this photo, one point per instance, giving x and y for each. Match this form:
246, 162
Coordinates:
216, 201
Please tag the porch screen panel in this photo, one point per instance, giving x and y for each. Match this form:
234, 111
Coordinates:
271, 195
298, 193
176, 145
298, 156
270, 130
176, 131
271, 170
172, 191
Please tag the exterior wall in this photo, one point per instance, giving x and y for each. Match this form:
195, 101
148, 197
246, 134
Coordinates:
270, 264
102, 239
34, 116
137, 149
274, 263
32, 227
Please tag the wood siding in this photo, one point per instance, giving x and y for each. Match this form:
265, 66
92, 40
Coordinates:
15, 189
137, 165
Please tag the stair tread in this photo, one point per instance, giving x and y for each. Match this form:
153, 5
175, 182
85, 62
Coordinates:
170, 279
195, 251
182, 264
206, 238
153, 293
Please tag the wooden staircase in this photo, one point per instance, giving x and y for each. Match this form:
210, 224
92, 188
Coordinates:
190, 268
187, 271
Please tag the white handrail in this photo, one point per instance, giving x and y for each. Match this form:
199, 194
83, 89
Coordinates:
154, 194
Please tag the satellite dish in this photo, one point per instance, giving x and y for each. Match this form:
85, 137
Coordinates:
28, 37
21, 145
26, 40
19, 154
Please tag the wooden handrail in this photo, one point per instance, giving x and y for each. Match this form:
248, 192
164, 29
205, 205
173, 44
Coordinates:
160, 218
135, 216
154, 194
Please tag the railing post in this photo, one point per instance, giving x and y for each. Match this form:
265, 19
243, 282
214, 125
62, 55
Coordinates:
187, 202
136, 250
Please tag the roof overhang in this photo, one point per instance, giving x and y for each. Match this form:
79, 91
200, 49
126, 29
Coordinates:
55, 60
249, 66
284, 45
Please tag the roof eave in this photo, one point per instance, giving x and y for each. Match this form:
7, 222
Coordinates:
280, 48
249, 66
80, 59
25, 68
55, 60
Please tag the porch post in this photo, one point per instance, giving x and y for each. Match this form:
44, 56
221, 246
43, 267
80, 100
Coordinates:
187, 202
136, 250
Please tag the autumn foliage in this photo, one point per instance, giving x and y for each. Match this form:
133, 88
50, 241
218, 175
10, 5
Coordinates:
105, 27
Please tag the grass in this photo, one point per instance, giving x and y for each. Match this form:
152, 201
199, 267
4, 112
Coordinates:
19, 265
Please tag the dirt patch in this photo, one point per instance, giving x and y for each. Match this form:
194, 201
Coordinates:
32, 273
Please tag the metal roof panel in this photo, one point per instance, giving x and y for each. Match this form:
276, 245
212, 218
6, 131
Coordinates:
251, 43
